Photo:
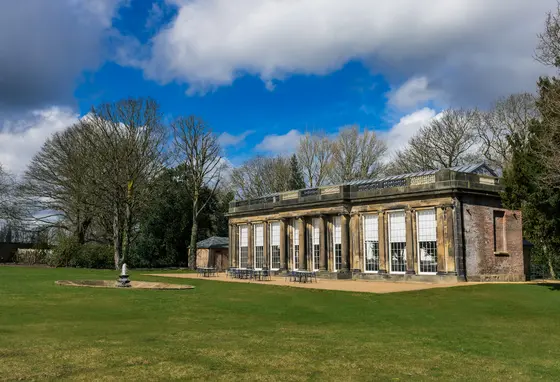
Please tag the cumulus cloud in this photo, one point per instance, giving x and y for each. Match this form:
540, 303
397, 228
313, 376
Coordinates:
473, 50
280, 144
21, 138
412, 93
398, 135
226, 139
45, 45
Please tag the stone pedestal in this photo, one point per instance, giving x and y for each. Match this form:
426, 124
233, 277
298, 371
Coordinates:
123, 281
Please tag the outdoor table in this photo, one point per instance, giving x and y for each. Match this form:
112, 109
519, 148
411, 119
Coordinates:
304, 276
206, 271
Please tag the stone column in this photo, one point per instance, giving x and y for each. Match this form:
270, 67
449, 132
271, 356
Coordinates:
322, 244
302, 244
235, 245
356, 242
440, 241
266, 249
289, 245
416, 258
283, 262
409, 243
250, 250
231, 244
345, 244
309, 236
449, 241
382, 242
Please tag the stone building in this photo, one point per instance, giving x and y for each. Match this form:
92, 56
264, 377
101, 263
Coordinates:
213, 252
441, 225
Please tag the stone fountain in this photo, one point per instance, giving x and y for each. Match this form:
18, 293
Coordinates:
123, 281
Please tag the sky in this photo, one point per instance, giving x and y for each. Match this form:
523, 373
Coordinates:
261, 72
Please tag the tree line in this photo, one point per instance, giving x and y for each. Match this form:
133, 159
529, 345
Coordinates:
454, 137
100, 181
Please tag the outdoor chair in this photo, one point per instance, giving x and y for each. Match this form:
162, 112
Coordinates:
313, 276
266, 274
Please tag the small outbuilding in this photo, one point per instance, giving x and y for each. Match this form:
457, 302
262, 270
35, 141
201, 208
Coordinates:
213, 252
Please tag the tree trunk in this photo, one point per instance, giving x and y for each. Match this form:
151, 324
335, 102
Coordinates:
81, 230
194, 234
551, 267
192, 247
127, 223
117, 238
126, 233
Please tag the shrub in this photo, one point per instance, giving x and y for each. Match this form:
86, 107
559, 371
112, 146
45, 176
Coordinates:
94, 255
62, 255
32, 256
69, 253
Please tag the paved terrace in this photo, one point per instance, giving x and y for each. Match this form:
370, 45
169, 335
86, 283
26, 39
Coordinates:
342, 285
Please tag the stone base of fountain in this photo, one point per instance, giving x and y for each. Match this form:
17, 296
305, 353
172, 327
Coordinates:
123, 281
130, 284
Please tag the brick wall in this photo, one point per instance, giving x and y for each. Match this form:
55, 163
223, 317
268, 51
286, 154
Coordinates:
493, 242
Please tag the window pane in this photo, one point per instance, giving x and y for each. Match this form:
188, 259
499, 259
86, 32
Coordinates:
243, 246
275, 258
337, 231
371, 231
427, 243
397, 241
372, 256
337, 239
258, 230
337, 256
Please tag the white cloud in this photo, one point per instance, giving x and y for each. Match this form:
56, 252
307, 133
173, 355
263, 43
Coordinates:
226, 139
21, 138
474, 50
280, 144
398, 136
414, 92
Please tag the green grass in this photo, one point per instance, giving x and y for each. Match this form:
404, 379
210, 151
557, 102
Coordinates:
230, 331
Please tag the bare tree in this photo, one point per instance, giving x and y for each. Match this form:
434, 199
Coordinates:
8, 203
314, 155
59, 179
448, 140
548, 48
261, 176
199, 152
356, 156
128, 138
508, 116
99, 170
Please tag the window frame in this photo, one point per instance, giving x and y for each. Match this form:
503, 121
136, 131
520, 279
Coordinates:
315, 247
271, 245
295, 236
255, 225
389, 242
241, 227
376, 217
420, 272
339, 219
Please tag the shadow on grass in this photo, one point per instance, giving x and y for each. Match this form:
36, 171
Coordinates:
550, 285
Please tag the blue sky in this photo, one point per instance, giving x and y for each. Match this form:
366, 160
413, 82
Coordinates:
261, 72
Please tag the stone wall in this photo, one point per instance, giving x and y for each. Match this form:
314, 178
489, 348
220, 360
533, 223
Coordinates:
202, 257
212, 258
493, 241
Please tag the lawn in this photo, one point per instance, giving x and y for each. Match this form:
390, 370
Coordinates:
230, 331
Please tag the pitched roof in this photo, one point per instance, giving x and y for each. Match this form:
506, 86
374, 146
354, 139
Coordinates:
213, 242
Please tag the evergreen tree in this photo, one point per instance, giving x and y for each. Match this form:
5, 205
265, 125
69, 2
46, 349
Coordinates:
523, 179
296, 181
